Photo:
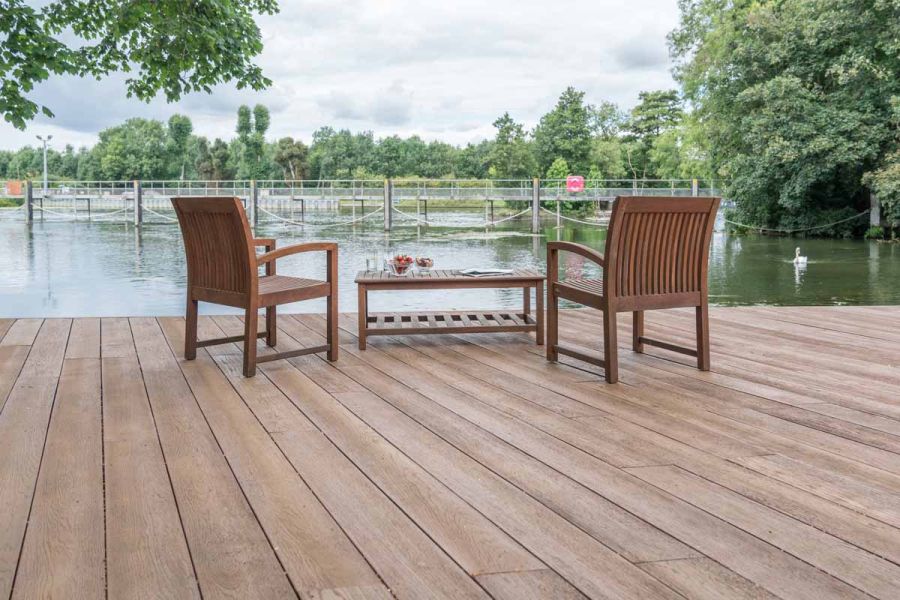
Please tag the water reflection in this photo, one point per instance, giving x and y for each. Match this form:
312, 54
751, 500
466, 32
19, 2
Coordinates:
106, 269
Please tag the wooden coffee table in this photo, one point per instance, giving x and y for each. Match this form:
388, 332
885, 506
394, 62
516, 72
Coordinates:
494, 321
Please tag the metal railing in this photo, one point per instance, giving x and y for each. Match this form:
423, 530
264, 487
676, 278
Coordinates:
289, 201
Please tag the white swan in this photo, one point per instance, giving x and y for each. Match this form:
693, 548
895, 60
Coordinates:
799, 260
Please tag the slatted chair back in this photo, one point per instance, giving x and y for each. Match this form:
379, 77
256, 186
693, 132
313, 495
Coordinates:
657, 251
218, 244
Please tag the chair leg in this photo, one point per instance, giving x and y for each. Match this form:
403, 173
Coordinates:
552, 323
703, 337
331, 322
250, 324
271, 327
638, 331
610, 349
190, 330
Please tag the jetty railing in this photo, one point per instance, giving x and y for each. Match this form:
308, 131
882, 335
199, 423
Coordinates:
396, 201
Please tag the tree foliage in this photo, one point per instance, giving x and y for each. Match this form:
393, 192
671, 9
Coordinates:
794, 98
511, 156
170, 47
566, 132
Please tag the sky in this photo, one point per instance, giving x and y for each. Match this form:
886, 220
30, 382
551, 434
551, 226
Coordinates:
440, 69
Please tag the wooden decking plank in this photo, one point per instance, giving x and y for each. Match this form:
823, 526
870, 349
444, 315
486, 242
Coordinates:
580, 559
726, 544
315, 553
147, 555
84, 340
23, 429
529, 585
22, 333
859, 417
862, 570
410, 564
12, 358
115, 338
705, 579
864, 496
5, 324
64, 551
474, 542
230, 553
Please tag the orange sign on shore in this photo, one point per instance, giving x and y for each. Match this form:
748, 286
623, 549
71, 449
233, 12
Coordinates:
14, 188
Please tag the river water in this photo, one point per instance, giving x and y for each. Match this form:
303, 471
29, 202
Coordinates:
70, 269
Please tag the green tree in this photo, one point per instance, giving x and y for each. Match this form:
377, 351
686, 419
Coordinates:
168, 46
179, 133
511, 156
291, 155
251, 130
559, 169
795, 100
134, 150
473, 161
566, 132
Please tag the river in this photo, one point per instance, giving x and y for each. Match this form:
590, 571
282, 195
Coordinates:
74, 269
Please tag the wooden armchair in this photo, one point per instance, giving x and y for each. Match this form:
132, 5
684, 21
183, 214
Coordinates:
657, 251
223, 268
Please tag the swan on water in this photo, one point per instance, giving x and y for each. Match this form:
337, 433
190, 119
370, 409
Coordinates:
799, 260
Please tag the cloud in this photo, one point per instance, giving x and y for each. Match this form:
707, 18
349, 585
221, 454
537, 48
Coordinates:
438, 70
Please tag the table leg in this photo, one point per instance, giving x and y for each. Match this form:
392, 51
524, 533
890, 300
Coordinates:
539, 306
362, 309
526, 302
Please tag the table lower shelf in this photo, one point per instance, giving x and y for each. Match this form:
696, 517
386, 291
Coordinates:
499, 321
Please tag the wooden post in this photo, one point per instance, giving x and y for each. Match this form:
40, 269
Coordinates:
29, 202
89, 207
695, 187
874, 210
388, 198
536, 205
138, 204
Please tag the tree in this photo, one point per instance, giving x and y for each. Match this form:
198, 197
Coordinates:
566, 132
291, 156
473, 161
251, 130
559, 169
655, 112
169, 46
795, 100
179, 133
134, 150
511, 155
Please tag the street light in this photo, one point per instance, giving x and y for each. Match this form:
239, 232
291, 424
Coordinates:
45, 141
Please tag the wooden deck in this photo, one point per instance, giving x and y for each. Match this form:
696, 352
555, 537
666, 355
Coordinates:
457, 467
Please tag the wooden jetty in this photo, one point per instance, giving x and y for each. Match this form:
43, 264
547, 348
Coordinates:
453, 466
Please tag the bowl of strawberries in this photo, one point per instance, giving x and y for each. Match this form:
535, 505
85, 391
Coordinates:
401, 265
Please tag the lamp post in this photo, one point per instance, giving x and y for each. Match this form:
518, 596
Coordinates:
45, 141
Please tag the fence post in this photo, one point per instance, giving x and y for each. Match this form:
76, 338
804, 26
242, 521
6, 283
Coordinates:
29, 201
536, 205
254, 202
138, 203
695, 187
388, 203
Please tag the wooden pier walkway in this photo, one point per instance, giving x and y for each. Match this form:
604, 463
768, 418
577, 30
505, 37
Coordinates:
453, 467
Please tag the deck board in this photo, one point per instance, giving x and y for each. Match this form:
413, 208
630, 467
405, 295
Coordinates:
453, 466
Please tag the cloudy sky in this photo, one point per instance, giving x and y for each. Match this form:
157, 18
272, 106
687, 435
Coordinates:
440, 69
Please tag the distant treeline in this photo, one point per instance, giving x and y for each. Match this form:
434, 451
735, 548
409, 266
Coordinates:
575, 137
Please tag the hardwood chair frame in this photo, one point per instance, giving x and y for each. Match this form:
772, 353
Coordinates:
656, 257
223, 268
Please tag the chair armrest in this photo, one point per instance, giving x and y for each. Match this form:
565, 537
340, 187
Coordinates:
329, 247
267, 243
580, 249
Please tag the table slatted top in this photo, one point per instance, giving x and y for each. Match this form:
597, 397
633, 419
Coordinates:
446, 275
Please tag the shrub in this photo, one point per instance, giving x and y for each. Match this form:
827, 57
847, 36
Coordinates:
874, 233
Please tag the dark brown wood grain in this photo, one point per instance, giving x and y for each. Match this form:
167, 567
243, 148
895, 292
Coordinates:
223, 268
657, 253
501, 321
